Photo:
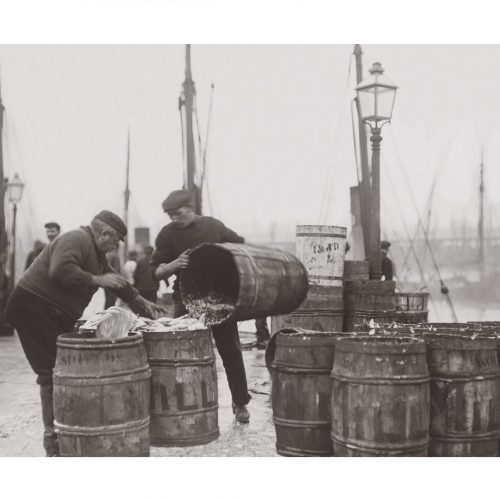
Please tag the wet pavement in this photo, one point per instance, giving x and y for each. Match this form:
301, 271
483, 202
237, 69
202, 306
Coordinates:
21, 422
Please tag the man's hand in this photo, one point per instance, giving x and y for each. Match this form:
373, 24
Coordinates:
145, 308
164, 271
182, 261
110, 280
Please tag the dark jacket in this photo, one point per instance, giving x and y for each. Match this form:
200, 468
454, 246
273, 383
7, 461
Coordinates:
143, 278
387, 267
62, 274
172, 240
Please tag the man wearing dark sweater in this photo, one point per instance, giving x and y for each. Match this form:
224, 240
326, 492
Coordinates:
173, 243
55, 290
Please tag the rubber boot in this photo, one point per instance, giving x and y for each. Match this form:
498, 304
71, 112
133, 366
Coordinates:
50, 441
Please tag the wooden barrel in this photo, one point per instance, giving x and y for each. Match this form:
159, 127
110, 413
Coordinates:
411, 307
301, 389
323, 310
368, 300
465, 396
322, 250
356, 270
380, 397
280, 322
255, 281
183, 388
101, 396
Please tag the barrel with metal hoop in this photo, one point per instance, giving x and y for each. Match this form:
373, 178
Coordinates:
184, 399
101, 396
301, 362
380, 397
465, 395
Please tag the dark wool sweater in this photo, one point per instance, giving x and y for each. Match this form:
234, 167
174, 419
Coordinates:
172, 240
62, 273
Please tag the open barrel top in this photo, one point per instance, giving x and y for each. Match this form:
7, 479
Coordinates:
380, 343
88, 340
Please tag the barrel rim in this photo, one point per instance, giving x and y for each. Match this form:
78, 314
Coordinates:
149, 333
449, 341
372, 344
77, 339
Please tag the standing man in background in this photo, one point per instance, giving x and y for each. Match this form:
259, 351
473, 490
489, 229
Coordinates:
144, 282
38, 246
53, 230
386, 262
186, 231
129, 266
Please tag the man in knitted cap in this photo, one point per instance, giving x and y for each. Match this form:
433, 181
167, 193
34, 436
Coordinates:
386, 264
186, 231
53, 293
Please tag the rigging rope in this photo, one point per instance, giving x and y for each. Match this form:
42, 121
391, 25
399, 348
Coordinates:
203, 150
407, 232
330, 174
354, 139
181, 103
444, 289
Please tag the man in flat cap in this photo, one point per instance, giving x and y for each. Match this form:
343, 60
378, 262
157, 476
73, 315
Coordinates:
53, 230
385, 261
173, 243
55, 290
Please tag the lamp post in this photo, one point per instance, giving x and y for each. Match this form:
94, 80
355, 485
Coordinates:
15, 191
376, 96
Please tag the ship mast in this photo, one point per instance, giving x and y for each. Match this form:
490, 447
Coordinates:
126, 197
481, 217
3, 233
364, 185
186, 101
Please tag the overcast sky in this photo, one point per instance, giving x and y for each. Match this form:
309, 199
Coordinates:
280, 147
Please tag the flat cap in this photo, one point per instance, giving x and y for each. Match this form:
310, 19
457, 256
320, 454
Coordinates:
52, 224
113, 220
385, 244
177, 199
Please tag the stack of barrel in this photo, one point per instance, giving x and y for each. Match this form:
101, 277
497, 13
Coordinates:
409, 391
115, 398
366, 300
321, 249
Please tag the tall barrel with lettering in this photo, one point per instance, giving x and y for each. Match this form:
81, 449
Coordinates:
101, 396
465, 395
322, 250
183, 387
380, 397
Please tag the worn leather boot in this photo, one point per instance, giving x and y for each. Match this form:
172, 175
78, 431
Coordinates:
241, 414
50, 441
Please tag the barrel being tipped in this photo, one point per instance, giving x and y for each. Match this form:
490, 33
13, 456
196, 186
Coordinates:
229, 281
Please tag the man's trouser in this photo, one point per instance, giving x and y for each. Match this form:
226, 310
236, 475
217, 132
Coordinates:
38, 323
262, 331
227, 341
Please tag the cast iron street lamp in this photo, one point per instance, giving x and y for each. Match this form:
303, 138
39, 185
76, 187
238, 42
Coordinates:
15, 191
376, 98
